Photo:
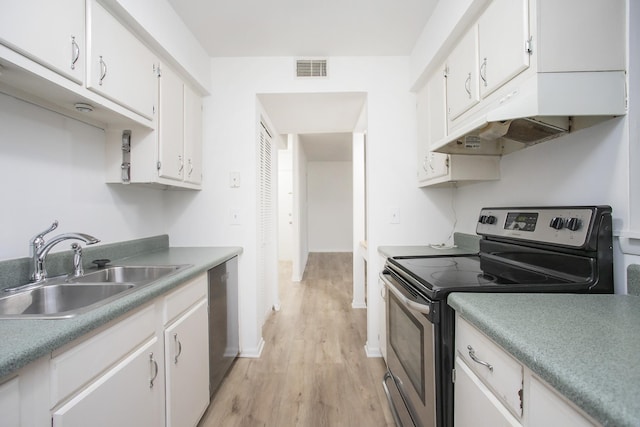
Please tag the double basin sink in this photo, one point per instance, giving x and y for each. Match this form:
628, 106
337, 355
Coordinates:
65, 297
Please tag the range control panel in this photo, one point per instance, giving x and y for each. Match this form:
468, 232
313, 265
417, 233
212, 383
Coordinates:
560, 226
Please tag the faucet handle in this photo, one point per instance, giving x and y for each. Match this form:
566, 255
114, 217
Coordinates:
47, 231
38, 239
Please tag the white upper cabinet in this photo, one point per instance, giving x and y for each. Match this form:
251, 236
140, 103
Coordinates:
503, 33
171, 126
51, 33
438, 168
179, 131
462, 75
192, 136
120, 67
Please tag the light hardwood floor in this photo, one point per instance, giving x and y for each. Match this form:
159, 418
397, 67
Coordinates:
313, 370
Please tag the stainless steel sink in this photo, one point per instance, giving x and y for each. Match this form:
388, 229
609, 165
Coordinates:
59, 301
63, 297
128, 274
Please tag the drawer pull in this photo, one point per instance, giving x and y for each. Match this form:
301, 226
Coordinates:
472, 355
179, 348
154, 367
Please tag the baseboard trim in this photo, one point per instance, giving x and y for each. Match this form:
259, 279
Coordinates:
255, 352
372, 351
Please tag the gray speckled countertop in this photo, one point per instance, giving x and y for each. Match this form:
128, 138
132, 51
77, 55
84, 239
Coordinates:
23, 341
464, 244
586, 346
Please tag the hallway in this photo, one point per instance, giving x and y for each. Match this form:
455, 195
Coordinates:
313, 371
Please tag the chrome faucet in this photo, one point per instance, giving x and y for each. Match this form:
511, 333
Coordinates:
39, 249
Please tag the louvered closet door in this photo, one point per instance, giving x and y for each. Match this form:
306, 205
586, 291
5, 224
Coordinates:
266, 233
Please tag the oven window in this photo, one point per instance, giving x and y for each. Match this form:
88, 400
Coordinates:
406, 336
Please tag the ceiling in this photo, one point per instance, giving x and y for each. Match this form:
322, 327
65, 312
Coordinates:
305, 28
327, 147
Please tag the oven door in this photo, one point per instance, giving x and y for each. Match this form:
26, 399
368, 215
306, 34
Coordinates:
410, 382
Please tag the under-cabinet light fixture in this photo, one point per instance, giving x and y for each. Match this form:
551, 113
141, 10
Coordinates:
83, 108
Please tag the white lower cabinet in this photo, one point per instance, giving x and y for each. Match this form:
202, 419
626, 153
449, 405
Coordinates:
10, 403
548, 408
474, 401
148, 368
494, 389
126, 395
187, 367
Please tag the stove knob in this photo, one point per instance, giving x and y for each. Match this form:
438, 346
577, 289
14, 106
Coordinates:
482, 219
491, 219
574, 224
557, 223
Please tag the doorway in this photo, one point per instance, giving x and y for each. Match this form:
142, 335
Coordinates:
320, 186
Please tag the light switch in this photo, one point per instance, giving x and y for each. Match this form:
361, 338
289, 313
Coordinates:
234, 217
394, 216
234, 179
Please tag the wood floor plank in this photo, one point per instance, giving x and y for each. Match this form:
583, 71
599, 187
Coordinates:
313, 371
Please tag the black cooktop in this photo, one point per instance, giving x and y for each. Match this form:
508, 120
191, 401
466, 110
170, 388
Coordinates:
438, 276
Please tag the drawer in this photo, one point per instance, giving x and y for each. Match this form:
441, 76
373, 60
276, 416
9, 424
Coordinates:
496, 368
185, 296
74, 368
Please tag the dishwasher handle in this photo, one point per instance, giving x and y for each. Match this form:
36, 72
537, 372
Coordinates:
420, 308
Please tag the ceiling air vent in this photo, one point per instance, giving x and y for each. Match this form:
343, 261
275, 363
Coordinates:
311, 68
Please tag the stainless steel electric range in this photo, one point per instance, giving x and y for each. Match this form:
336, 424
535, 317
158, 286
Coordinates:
522, 249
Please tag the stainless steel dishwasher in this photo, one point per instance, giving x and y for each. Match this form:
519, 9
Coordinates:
223, 321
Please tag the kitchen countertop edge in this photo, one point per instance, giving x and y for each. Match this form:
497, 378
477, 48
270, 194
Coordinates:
26, 340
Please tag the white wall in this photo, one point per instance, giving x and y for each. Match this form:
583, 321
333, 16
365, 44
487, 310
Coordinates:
330, 191
285, 204
230, 123
52, 168
300, 209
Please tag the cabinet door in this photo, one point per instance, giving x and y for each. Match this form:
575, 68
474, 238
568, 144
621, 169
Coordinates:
462, 75
437, 165
436, 107
120, 67
547, 408
473, 402
171, 126
130, 394
423, 133
431, 126
503, 30
192, 136
49, 32
187, 367
10, 403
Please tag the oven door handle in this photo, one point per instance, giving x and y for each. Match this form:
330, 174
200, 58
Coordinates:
420, 308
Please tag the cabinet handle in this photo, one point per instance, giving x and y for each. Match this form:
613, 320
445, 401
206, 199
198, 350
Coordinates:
154, 369
190, 167
103, 70
483, 72
179, 346
75, 52
472, 355
181, 168
467, 85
